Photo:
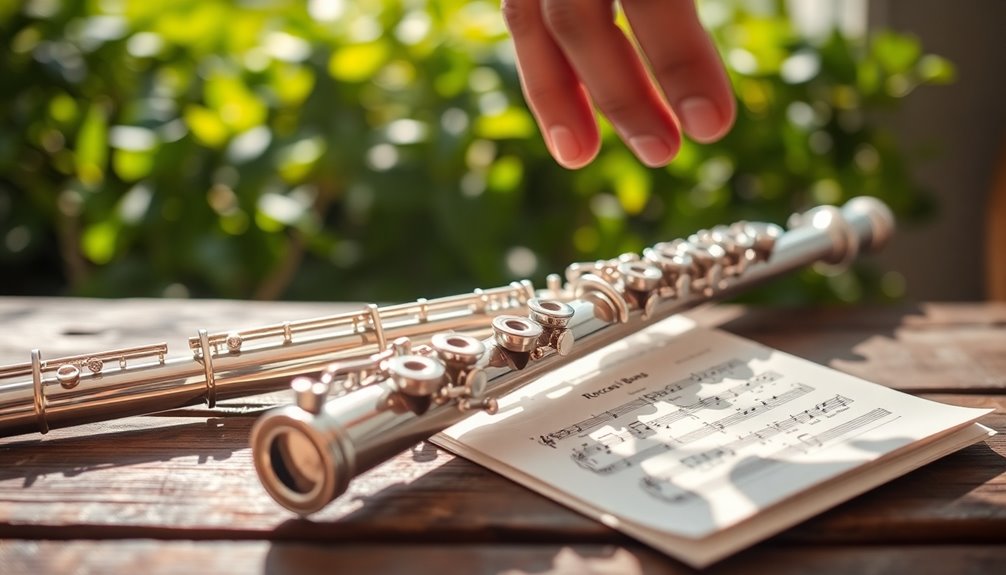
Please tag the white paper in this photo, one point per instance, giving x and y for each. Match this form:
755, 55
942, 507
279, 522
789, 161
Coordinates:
688, 431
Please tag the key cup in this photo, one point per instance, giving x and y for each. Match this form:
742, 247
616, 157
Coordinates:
417, 375
549, 313
515, 333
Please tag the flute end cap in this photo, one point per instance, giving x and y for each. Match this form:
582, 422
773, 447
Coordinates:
882, 221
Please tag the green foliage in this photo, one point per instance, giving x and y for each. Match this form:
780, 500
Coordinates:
381, 150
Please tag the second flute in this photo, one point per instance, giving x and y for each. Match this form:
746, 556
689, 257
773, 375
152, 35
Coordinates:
45, 393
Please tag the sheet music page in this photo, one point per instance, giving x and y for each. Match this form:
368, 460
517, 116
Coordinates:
689, 430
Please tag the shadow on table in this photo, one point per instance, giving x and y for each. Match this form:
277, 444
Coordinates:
75, 454
510, 559
799, 331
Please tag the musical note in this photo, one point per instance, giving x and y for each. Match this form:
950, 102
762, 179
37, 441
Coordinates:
717, 371
664, 489
640, 429
707, 459
547, 441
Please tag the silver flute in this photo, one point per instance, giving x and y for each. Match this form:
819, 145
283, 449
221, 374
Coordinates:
46, 393
364, 411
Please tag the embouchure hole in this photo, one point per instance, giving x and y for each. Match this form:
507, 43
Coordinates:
550, 305
638, 268
515, 325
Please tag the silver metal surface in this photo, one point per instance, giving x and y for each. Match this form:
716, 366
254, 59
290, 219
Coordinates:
305, 459
44, 393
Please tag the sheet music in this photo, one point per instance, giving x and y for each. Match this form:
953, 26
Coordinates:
689, 431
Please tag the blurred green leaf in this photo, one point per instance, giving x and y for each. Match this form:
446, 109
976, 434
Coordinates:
358, 62
292, 84
92, 146
235, 105
63, 109
512, 123
131, 165
296, 160
505, 174
896, 53
206, 125
630, 180
98, 241
936, 70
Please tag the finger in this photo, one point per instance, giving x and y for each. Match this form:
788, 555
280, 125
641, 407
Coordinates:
558, 101
609, 67
685, 64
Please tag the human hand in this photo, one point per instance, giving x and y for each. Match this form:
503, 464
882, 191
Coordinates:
570, 53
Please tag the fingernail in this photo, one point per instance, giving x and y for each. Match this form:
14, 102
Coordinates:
564, 145
651, 150
700, 118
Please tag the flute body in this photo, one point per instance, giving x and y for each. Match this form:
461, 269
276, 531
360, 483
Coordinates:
306, 454
47, 393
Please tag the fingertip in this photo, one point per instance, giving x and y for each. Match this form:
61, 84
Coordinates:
569, 150
703, 120
653, 151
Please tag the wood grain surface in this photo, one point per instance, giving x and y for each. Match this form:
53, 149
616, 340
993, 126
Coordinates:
176, 492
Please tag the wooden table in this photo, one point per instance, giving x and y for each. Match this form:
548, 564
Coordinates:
176, 492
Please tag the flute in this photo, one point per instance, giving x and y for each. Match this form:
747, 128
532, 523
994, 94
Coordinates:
364, 411
46, 393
